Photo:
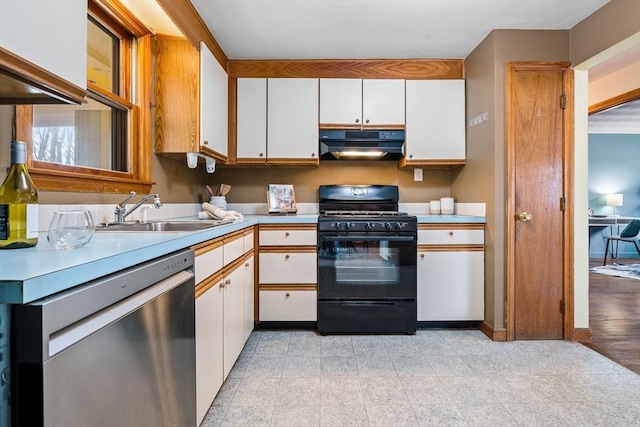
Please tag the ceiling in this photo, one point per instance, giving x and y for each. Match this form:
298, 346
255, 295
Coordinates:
621, 119
374, 29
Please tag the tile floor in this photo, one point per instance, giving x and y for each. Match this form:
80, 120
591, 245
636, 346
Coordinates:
434, 378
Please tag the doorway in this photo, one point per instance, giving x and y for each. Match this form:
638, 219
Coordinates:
539, 224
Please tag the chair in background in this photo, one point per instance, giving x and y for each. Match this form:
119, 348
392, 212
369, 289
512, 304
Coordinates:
631, 233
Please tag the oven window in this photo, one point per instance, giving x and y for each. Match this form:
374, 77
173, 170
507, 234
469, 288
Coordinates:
356, 262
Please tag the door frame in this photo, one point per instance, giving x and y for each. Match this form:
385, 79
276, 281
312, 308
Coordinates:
568, 180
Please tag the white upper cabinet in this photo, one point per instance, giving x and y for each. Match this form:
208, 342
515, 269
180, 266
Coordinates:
362, 103
435, 128
252, 120
292, 121
50, 34
214, 103
383, 102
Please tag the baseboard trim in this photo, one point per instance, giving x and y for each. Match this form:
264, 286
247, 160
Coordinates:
494, 335
582, 335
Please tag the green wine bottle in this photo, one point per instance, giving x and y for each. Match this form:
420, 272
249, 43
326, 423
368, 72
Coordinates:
18, 203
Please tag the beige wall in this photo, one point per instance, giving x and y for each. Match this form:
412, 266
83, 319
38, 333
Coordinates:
484, 175
609, 31
611, 24
249, 185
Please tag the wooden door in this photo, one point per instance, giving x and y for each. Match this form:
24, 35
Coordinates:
537, 244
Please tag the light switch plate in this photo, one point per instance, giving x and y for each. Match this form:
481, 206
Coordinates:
417, 174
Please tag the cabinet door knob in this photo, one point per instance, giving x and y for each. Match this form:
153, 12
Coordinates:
286, 234
451, 233
247, 265
227, 282
286, 256
313, 154
357, 120
421, 256
205, 142
260, 155
366, 121
411, 156
287, 295
222, 285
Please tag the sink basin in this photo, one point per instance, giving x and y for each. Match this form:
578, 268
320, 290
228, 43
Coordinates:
161, 226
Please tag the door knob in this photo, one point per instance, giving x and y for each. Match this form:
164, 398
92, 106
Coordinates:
525, 216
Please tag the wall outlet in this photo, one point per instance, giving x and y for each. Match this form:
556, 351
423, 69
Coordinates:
417, 174
479, 119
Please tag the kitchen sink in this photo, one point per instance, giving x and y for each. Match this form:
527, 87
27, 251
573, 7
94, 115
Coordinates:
161, 226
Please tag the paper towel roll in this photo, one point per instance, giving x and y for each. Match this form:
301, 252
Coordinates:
434, 207
446, 205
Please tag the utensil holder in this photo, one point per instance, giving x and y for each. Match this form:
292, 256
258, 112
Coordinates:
219, 201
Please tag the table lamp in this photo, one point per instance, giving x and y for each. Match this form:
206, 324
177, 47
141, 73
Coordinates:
614, 200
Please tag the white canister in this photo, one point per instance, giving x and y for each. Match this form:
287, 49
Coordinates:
434, 207
446, 205
219, 201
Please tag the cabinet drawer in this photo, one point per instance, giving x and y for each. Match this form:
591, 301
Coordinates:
451, 236
292, 306
288, 237
209, 262
233, 247
248, 241
288, 267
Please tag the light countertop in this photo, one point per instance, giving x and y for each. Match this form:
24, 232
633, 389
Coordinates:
33, 273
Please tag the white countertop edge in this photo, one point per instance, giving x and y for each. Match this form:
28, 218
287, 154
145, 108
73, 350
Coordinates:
30, 274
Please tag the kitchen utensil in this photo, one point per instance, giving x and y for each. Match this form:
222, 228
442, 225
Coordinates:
224, 189
210, 190
70, 229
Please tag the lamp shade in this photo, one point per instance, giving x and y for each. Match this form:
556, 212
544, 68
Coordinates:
614, 199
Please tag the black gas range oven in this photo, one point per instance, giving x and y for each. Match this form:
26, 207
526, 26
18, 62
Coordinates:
367, 254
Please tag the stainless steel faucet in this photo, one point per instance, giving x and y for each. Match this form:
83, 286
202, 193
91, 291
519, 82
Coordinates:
121, 211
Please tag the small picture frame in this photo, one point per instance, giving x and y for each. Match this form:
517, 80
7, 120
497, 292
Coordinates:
281, 199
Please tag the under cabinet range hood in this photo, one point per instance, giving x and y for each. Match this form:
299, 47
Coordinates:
367, 144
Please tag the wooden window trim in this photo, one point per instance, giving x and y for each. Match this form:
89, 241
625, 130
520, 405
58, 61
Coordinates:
57, 177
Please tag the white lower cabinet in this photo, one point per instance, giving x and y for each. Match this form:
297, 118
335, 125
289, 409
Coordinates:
450, 272
287, 273
209, 356
249, 295
288, 305
224, 312
450, 285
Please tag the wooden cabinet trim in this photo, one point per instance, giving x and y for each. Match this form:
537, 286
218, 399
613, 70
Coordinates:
450, 248
208, 283
290, 249
451, 226
234, 265
434, 164
287, 287
23, 77
207, 246
233, 236
287, 227
359, 69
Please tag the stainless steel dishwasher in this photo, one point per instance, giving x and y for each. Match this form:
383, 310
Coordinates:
117, 351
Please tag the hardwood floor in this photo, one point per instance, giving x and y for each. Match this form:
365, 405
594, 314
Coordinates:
614, 316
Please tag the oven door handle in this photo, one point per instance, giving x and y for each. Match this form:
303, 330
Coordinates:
366, 303
369, 237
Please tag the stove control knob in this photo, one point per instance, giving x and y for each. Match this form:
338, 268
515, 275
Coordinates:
399, 226
337, 225
347, 226
368, 226
387, 226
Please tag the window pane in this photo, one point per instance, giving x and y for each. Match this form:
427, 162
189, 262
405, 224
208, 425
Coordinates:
102, 57
90, 135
